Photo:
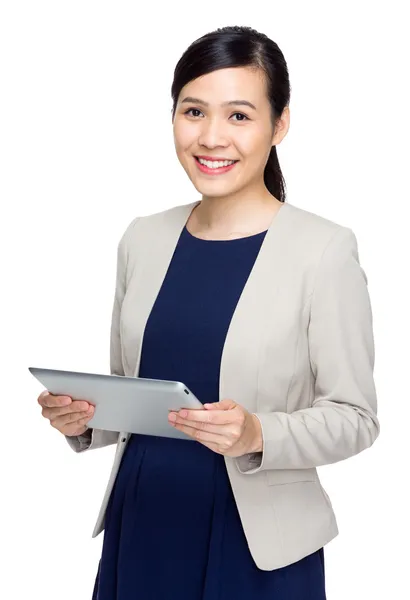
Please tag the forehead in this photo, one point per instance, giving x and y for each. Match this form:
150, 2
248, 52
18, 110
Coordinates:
228, 84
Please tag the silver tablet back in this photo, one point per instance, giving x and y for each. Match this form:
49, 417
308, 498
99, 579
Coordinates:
128, 404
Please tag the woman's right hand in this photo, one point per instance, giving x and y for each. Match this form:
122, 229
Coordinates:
65, 414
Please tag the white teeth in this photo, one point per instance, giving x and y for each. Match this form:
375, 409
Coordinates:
215, 164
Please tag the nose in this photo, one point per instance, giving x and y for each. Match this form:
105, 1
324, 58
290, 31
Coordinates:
213, 134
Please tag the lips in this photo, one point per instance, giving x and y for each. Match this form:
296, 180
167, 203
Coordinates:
214, 171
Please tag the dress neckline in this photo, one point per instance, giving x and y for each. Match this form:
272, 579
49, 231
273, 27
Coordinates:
240, 239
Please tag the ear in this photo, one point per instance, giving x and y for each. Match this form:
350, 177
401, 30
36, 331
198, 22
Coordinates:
281, 127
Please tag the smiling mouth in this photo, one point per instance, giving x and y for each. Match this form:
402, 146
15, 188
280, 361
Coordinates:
218, 159
215, 170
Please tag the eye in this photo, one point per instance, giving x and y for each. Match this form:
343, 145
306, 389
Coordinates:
190, 109
238, 113
242, 115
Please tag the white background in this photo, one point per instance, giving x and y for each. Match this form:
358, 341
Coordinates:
86, 145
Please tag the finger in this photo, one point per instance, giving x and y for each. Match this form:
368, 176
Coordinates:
206, 436
223, 430
57, 411
80, 405
196, 415
41, 396
50, 400
80, 418
232, 432
221, 417
225, 404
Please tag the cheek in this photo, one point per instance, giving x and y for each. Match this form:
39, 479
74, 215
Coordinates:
252, 146
184, 136
257, 155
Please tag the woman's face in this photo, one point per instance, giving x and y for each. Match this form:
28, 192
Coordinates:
205, 125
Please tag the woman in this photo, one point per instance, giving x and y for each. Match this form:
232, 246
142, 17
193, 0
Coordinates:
262, 309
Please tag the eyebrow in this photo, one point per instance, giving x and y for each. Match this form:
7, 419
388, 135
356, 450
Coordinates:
229, 103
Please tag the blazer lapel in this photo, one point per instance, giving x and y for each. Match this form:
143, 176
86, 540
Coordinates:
252, 320
159, 239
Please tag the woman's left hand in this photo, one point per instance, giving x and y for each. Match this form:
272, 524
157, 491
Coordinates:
225, 427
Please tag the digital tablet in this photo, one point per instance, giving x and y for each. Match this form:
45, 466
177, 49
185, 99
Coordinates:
129, 404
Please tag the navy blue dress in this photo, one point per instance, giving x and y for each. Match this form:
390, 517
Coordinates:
172, 529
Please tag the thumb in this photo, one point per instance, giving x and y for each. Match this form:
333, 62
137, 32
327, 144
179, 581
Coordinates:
225, 404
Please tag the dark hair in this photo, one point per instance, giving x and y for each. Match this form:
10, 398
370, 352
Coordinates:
240, 47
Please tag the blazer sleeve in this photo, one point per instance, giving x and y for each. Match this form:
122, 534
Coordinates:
98, 438
341, 421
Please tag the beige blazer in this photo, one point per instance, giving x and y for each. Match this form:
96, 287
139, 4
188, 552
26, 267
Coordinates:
299, 354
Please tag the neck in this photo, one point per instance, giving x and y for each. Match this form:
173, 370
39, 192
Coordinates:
234, 215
